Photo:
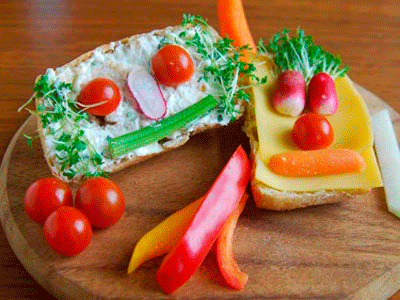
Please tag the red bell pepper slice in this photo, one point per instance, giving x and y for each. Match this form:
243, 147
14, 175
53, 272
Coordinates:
232, 276
219, 203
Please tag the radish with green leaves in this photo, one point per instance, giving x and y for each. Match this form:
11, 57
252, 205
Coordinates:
289, 98
319, 67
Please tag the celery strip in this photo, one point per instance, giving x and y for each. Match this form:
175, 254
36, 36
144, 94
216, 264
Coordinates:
388, 152
123, 144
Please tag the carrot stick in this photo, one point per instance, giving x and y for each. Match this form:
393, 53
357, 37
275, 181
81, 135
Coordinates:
233, 23
326, 161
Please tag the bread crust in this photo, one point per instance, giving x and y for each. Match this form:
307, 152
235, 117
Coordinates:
268, 198
126, 161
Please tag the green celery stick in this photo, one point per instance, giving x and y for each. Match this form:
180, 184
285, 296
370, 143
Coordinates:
123, 144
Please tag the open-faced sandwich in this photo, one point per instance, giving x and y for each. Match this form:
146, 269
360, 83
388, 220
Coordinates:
309, 128
132, 99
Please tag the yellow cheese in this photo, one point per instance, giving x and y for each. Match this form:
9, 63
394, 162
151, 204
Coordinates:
352, 130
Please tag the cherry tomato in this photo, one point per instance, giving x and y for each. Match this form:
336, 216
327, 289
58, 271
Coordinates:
67, 231
172, 65
101, 200
312, 131
45, 196
100, 90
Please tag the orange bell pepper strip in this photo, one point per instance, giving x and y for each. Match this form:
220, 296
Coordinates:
161, 238
232, 276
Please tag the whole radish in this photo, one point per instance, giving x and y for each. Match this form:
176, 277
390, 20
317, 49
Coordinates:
319, 67
322, 97
289, 98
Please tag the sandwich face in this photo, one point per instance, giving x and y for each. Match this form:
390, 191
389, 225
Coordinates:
75, 142
269, 134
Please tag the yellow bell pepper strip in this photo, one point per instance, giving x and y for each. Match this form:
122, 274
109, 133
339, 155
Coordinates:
220, 201
161, 238
232, 276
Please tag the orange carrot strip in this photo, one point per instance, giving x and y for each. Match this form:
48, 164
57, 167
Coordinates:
326, 161
233, 23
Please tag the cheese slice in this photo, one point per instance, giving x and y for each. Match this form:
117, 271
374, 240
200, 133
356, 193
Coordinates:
352, 130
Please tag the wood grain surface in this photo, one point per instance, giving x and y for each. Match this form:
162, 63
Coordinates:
35, 35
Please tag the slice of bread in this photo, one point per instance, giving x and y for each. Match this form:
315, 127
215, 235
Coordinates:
75, 143
266, 197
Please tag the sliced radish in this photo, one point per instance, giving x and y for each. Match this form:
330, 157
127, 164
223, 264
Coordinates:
147, 93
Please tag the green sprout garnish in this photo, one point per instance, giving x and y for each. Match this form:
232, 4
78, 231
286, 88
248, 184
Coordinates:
300, 54
225, 69
70, 142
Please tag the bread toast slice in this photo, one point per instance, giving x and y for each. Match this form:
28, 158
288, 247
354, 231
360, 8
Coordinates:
75, 143
268, 197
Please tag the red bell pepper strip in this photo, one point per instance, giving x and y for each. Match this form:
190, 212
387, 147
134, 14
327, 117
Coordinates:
228, 267
219, 203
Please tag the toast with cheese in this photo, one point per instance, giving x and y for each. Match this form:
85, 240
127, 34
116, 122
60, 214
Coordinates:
75, 143
268, 130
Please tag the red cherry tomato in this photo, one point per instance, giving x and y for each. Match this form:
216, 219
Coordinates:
312, 131
100, 90
172, 65
45, 196
67, 231
101, 200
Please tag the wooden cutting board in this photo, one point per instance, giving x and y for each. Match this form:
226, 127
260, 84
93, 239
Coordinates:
338, 251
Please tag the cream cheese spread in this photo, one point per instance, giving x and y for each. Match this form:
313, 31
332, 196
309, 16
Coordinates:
115, 65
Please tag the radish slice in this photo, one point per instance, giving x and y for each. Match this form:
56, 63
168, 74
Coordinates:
147, 93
